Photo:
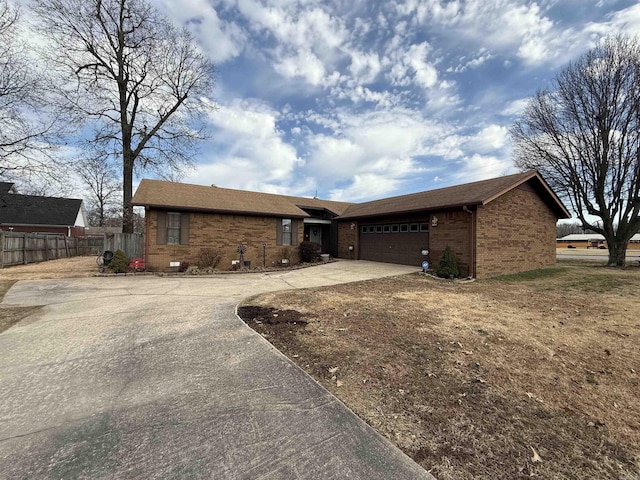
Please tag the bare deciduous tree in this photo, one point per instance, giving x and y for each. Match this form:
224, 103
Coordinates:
26, 128
101, 178
583, 134
140, 82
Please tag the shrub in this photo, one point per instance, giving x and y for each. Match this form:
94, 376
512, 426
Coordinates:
119, 263
309, 251
208, 258
184, 266
448, 265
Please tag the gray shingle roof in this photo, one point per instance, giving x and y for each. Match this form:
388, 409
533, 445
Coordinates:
18, 209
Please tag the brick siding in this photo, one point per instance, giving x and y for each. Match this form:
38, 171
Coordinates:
453, 230
516, 232
348, 236
222, 233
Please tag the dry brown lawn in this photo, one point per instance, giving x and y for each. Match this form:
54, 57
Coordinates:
61, 268
533, 375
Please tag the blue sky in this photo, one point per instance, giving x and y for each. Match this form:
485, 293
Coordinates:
358, 100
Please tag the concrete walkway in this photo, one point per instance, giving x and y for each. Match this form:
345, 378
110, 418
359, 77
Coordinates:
149, 377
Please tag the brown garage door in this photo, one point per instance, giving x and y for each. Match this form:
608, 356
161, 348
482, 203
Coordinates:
394, 243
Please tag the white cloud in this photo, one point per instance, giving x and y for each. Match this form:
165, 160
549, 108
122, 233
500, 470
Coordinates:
413, 64
251, 151
503, 25
626, 20
364, 187
379, 149
219, 39
515, 107
365, 67
482, 167
489, 139
306, 65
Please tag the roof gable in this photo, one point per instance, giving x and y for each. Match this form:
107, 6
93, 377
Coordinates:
18, 209
469, 194
182, 196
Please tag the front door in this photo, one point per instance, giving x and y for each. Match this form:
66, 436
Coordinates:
315, 234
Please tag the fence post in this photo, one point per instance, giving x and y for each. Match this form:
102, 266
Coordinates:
24, 249
1, 249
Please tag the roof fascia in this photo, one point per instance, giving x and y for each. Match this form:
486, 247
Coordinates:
223, 212
409, 212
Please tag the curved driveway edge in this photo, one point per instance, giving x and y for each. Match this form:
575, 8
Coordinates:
149, 377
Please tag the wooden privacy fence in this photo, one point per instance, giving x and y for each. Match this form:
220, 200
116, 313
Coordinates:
21, 248
130, 243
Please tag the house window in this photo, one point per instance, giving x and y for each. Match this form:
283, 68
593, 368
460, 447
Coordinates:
378, 228
413, 227
365, 229
404, 227
173, 228
395, 228
286, 231
424, 227
386, 228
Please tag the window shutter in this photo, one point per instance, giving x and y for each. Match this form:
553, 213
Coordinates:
294, 232
278, 231
184, 228
161, 229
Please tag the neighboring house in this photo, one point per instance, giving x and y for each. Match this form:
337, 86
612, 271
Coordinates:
496, 226
31, 213
592, 240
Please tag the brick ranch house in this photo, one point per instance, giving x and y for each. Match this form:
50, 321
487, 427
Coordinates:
497, 226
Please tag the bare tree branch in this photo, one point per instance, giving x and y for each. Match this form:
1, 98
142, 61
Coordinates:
27, 129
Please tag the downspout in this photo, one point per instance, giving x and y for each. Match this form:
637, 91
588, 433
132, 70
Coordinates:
147, 228
472, 236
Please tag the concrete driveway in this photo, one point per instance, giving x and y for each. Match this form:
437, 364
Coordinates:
150, 377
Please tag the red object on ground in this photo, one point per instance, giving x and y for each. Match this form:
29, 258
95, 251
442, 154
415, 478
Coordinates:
137, 264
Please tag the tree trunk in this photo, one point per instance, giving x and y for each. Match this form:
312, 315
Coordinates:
617, 252
127, 191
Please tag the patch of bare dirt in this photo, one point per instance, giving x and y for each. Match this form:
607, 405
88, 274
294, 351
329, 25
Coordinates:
532, 375
60, 268
271, 316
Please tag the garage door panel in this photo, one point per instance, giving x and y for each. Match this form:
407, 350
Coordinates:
402, 248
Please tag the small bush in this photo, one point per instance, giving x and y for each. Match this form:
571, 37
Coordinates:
184, 266
448, 265
309, 251
208, 258
119, 263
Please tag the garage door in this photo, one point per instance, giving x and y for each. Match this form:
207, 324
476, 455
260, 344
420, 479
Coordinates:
394, 243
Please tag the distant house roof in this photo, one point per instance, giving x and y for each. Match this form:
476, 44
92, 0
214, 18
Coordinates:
18, 209
585, 237
182, 196
469, 194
